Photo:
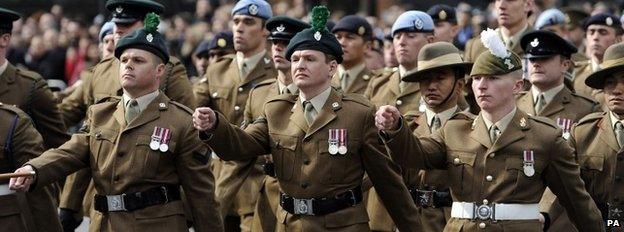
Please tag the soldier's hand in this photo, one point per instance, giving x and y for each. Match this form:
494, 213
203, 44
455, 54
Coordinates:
204, 119
22, 183
387, 118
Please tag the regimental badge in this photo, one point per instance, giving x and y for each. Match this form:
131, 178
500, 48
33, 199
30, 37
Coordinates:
119, 9
253, 9
281, 28
442, 15
366, 77
317, 36
418, 24
267, 60
361, 30
529, 163
156, 138
333, 142
535, 43
609, 21
221, 42
523, 122
566, 126
509, 64
149, 37
164, 144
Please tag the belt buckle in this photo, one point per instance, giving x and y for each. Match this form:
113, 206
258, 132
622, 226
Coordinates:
483, 212
353, 201
303, 206
425, 198
116, 203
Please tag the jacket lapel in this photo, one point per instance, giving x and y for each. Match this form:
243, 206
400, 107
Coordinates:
394, 83
8, 76
480, 132
513, 132
525, 103
264, 65
327, 114
297, 117
556, 105
119, 114
151, 113
360, 83
423, 125
607, 134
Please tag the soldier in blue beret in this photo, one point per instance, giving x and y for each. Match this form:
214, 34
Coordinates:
552, 20
107, 41
355, 35
445, 21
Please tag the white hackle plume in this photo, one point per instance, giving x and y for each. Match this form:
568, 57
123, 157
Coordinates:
494, 43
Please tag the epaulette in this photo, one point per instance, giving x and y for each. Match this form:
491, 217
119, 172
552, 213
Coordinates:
12, 109
413, 115
358, 98
265, 82
109, 99
582, 63
387, 71
282, 97
461, 115
591, 118
181, 106
29, 74
585, 98
545, 121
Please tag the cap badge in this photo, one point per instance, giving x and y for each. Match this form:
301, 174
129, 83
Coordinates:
523, 122
221, 42
119, 9
281, 28
253, 9
442, 15
609, 21
317, 36
509, 64
149, 37
361, 30
535, 42
418, 24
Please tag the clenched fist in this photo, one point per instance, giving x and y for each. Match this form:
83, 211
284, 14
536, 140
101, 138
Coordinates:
387, 118
22, 183
204, 119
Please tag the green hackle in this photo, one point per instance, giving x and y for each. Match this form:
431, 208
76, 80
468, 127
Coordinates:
320, 14
151, 22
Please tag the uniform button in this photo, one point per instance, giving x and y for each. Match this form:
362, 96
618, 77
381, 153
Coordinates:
305, 184
116, 178
485, 201
482, 225
121, 154
399, 102
237, 108
491, 155
240, 89
456, 161
98, 135
306, 162
489, 178
215, 94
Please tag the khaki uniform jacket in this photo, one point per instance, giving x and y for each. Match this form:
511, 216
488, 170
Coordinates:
582, 70
463, 147
565, 105
122, 162
28, 91
31, 211
600, 158
358, 85
304, 167
384, 90
474, 47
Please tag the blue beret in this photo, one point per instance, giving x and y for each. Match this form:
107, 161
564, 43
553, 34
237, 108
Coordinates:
106, 29
550, 17
256, 8
413, 21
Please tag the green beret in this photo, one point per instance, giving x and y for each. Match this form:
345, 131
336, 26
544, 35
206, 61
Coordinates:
146, 38
317, 37
612, 63
497, 60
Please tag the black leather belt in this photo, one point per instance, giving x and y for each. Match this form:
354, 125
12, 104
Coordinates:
433, 199
321, 206
132, 201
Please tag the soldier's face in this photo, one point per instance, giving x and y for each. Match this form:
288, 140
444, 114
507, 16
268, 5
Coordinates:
353, 46
437, 85
511, 12
390, 59
278, 50
496, 92
122, 29
201, 64
108, 45
406, 47
311, 71
546, 73
599, 38
249, 33
140, 71
614, 92
445, 31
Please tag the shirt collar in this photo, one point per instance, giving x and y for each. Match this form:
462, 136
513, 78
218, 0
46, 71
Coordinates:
502, 123
594, 65
404, 72
353, 72
548, 94
614, 119
4, 66
142, 100
251, 61
515, 38
319, 100
292, 87
444, 115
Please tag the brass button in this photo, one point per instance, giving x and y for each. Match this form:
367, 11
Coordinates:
399, 102
237, 108
482, 225
489, 178
240, 89
215, 94
456, 161
491, 155
305, 184
98, 135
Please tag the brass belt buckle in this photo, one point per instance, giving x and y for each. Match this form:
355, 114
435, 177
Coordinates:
303, 206
116, 203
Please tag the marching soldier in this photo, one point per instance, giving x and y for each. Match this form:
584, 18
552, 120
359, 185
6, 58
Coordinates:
209, 52
601, 31
32, 211
322, 154
227, 84
599, 137
445, 21
500, 162
441, 78
574, 19
140, 150
355, 35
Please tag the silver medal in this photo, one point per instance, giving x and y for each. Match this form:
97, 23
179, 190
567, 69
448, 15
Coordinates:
164, 147
333, 149
342, 150
154, 145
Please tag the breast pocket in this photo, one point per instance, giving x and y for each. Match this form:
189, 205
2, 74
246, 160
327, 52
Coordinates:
515, 170
102, 143
338, 165
221, 97
283, 150
460, 170
592, 167
145, 160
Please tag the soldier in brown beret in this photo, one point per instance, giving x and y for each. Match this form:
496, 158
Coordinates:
500, 162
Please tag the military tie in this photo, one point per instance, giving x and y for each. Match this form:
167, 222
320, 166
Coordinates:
344, 81
132, 110
494, 131
285, 91
435, 123
541, 102
619, 133
309, 111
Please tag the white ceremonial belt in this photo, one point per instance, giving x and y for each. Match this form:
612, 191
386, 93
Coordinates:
469, 210
4, 190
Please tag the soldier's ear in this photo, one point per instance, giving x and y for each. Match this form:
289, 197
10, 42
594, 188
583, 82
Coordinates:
160, 70
5, 40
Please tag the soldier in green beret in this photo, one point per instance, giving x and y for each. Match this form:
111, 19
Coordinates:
499, 162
